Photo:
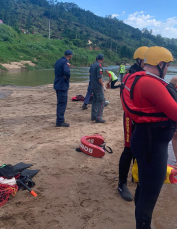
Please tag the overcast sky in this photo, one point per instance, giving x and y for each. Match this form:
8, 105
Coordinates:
158, 15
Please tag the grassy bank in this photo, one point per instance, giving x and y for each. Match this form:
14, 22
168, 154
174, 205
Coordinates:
44, 52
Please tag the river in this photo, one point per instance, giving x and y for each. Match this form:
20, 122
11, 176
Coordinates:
46, 76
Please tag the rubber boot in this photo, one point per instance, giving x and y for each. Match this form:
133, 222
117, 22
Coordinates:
124, 192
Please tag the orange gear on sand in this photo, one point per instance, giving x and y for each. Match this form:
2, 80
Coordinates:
108, 86
5, 191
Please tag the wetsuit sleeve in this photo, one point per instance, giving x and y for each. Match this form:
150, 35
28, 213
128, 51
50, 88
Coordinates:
157, 94
66, 70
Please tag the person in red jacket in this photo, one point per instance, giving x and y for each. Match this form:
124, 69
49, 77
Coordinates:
151, 103
126, 156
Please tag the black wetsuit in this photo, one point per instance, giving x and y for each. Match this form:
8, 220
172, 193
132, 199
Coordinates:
149, 145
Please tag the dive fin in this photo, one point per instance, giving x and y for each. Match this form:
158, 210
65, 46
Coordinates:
29, 173
26, 177
21, 166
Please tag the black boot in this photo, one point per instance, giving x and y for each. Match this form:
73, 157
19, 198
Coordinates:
124, 192
100, 120
63, 124
84, 107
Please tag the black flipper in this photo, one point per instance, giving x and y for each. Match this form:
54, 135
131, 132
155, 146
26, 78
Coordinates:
26, 177
21, 166
29, 173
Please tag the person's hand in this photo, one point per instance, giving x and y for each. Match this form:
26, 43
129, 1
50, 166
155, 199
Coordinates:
175, 164
174, 81
104, 88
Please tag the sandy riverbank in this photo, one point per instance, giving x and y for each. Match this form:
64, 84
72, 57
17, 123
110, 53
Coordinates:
74, 190
17, 65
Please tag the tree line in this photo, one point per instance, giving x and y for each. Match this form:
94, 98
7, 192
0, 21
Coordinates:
69, 21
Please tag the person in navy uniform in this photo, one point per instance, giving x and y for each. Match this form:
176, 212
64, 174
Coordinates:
61, 86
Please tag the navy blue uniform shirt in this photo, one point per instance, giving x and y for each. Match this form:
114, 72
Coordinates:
62, 74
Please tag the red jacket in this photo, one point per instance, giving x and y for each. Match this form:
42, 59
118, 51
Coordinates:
148, 100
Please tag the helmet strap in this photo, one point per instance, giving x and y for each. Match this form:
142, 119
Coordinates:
139, 63
161, 69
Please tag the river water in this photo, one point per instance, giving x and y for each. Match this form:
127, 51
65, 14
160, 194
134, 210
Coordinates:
165, 211
42, 77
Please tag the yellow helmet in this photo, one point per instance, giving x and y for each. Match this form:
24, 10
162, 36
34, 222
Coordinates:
139, 53
155, 54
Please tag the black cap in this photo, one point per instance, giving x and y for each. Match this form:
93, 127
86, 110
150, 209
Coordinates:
68, 52
100, 56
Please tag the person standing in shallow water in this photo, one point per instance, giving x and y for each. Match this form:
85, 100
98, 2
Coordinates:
61, 86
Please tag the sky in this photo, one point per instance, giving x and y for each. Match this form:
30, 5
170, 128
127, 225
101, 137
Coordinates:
158, 15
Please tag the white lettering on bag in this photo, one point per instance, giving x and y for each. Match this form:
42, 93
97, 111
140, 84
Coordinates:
86, 148
91, 141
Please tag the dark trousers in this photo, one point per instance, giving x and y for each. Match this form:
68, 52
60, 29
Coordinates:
62, 97
113, 83
97, 104
88, 95
121, 76
149, 146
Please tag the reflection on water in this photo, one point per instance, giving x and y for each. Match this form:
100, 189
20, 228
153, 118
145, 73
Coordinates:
42, 77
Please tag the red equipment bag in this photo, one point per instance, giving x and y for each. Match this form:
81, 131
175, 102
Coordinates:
78, 98
93, 145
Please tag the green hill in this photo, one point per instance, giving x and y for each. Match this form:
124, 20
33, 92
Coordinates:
70, 27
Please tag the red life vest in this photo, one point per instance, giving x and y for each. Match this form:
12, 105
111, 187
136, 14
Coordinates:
141, 114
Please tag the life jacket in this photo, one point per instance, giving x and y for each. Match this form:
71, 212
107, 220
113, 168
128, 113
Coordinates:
93, 145
138, 114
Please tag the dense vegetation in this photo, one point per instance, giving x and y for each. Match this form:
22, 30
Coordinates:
71, 27
42, 51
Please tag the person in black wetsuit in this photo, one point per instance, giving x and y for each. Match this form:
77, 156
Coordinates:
126, 156
152, 105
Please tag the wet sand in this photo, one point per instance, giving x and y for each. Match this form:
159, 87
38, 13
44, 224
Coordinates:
74, 190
